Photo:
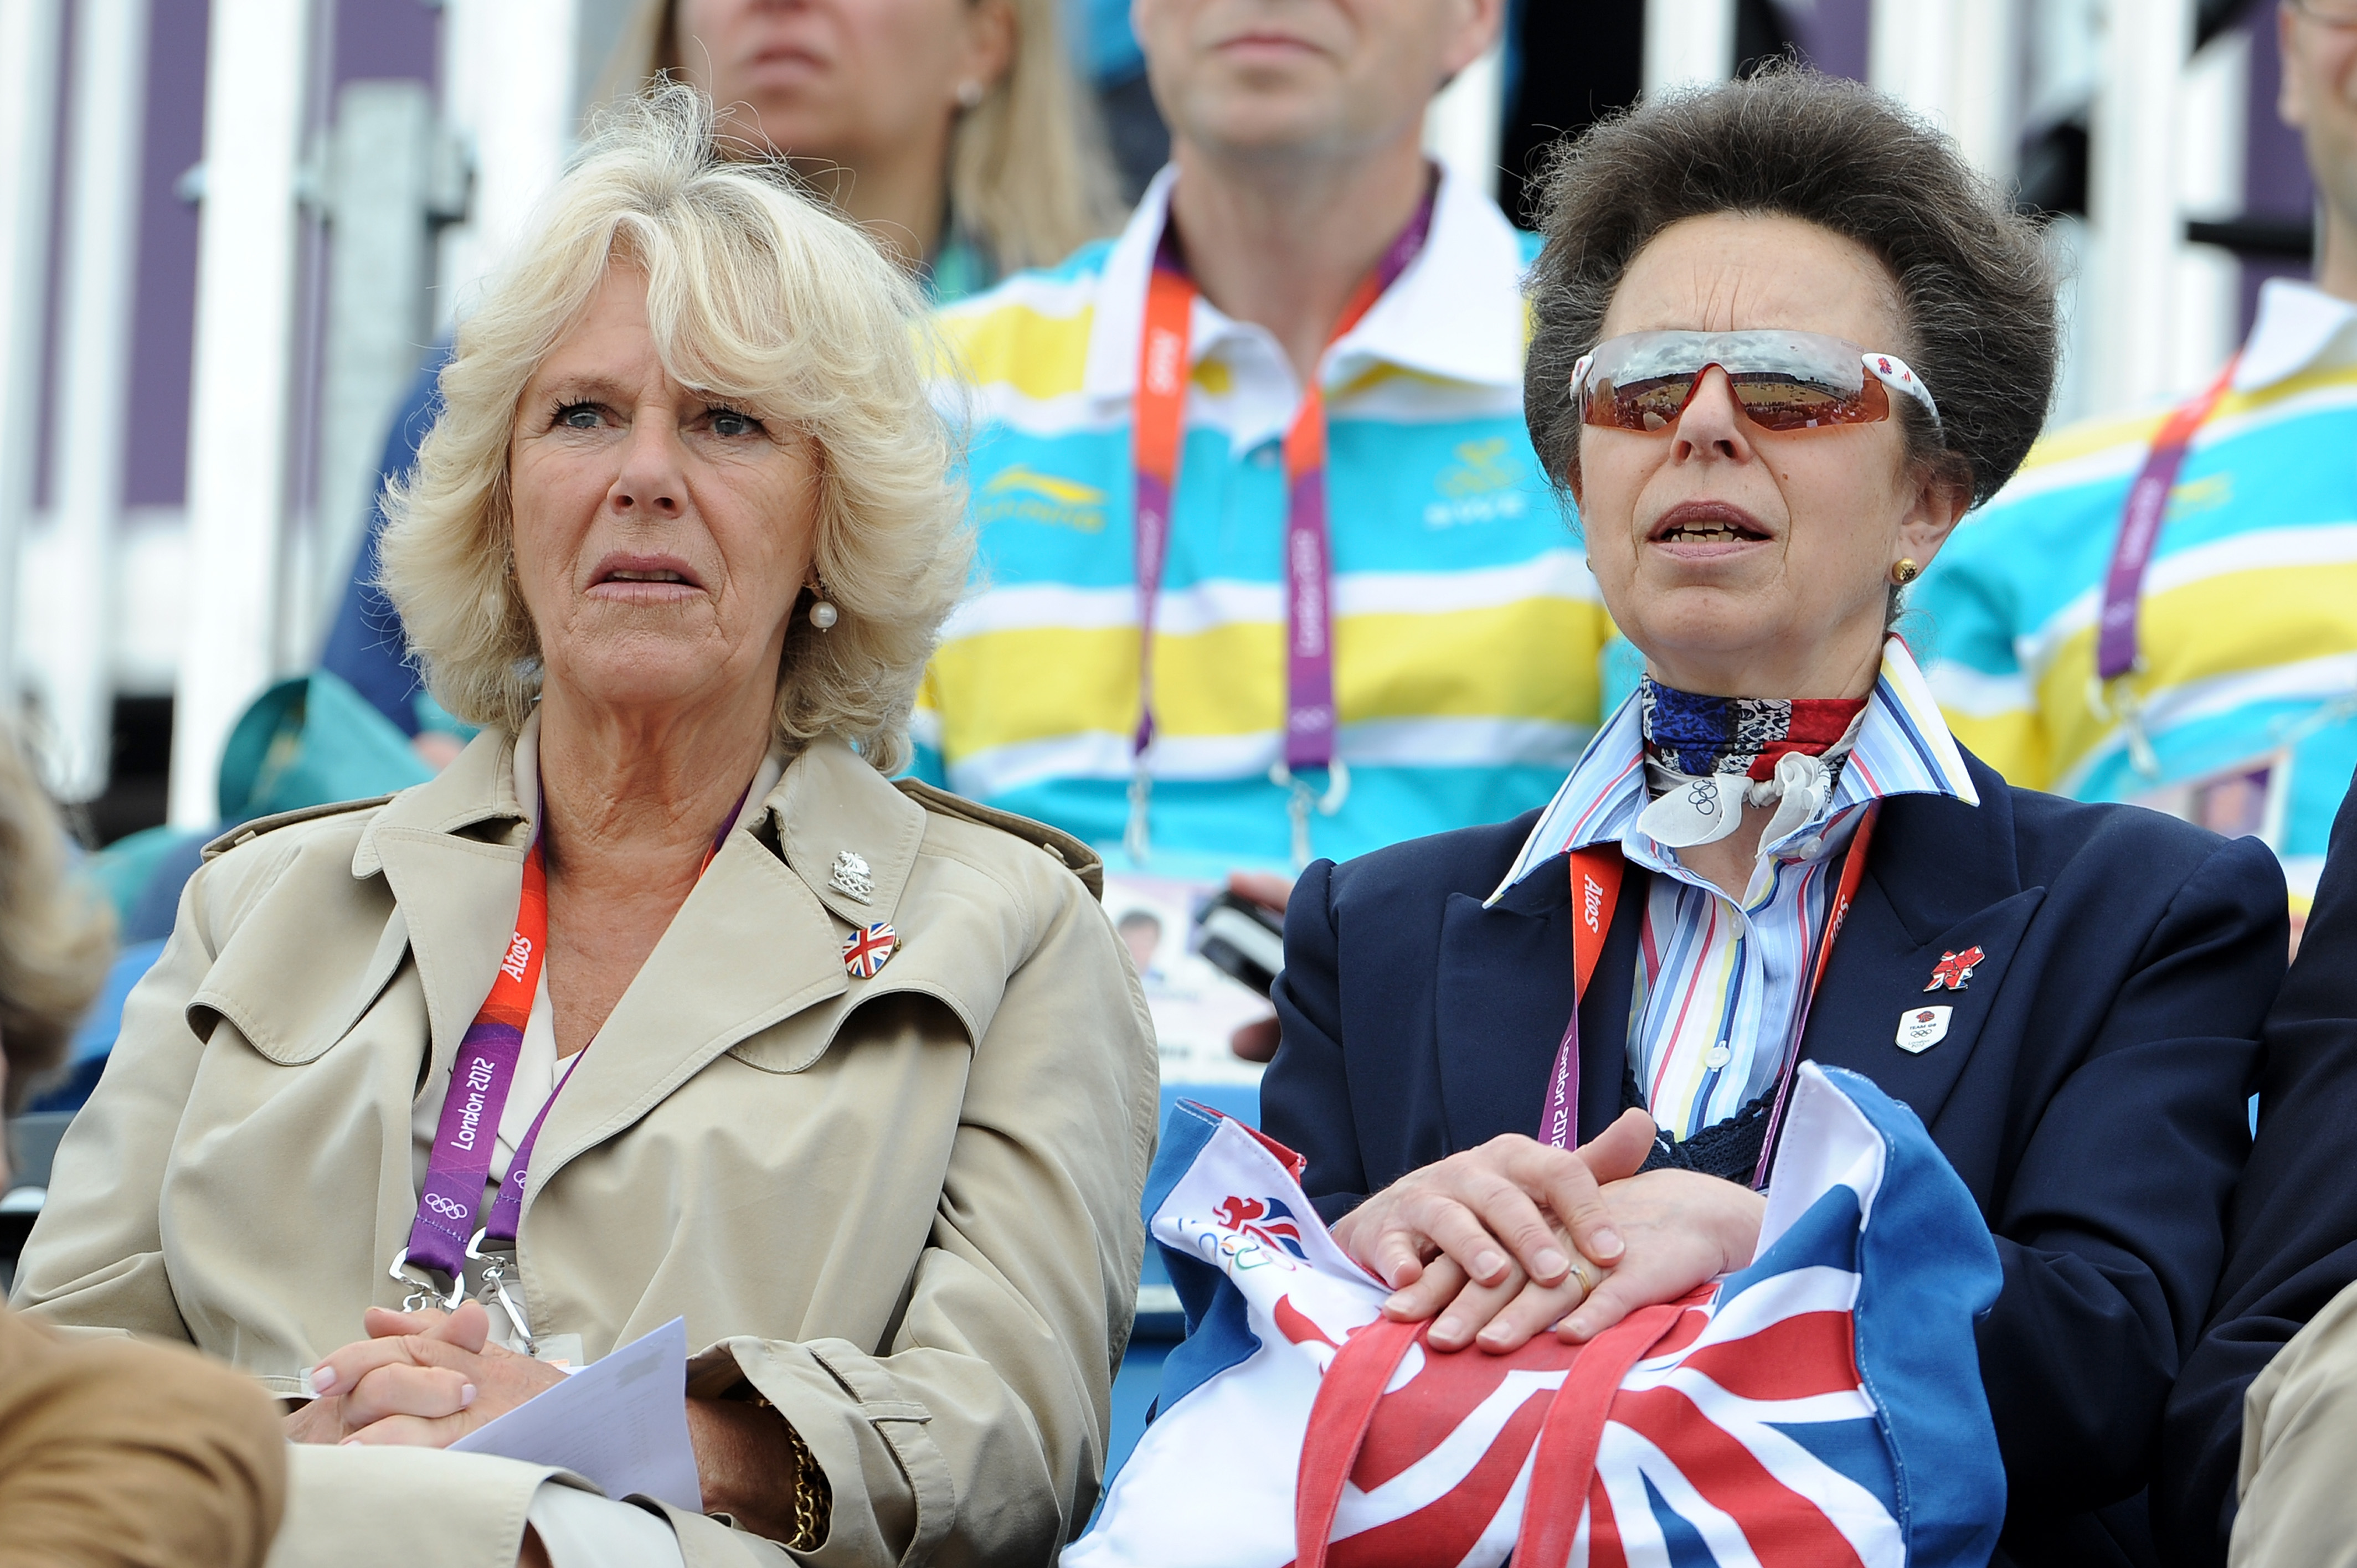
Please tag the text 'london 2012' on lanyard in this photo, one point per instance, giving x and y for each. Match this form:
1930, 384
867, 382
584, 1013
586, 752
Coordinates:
1158, 436
1596, 874
2116, 637
444, 1236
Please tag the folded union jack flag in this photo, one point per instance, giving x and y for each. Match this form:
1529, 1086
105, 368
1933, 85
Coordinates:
1822, 1407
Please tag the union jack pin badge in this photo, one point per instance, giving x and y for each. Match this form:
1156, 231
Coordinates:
865, 950
1955, 968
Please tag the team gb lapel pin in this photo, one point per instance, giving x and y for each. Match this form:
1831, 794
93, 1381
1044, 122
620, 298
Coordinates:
1955, 968
1921, 1029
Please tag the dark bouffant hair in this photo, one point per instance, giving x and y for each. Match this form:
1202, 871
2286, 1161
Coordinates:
1974, 285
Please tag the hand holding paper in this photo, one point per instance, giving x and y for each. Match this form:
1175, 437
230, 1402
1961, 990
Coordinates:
621, 1422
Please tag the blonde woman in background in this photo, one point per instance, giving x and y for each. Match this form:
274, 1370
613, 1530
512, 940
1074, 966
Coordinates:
953, 130
851, 1077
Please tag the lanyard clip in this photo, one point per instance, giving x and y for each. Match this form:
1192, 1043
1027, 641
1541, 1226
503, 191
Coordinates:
2116, 700
1302, 799
496, 1265
424, 1294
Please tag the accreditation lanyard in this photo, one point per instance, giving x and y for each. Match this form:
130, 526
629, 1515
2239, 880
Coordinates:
2116, 651
1596, 874
1158, 436
443, 1236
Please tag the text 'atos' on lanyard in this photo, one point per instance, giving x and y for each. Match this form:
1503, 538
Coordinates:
2116, 651
444, 1236
1158, 434
1596, 874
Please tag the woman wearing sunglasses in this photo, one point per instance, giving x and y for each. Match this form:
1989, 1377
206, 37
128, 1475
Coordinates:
1784, 338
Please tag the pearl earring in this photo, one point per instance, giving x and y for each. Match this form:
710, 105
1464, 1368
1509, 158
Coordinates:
823, 614
1905, 571
970, 95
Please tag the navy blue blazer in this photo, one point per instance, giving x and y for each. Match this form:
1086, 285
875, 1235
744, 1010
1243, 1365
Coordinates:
2090, 1089
2292, 1234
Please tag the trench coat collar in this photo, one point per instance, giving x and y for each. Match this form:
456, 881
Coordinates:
829, 807
758, 939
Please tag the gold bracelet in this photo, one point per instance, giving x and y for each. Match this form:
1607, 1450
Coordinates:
813, 1498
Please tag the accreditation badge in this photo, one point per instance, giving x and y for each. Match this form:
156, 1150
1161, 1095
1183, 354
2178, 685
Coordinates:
2250, 799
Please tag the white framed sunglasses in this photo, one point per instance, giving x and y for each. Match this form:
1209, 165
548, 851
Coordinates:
1782, 379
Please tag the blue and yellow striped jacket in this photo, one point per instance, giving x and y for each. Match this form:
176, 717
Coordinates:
1467, 627
2249, 614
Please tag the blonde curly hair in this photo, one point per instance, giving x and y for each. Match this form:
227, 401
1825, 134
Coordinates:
756, 293
56, 937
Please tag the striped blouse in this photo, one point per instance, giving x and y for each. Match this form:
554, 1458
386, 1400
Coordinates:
1722, 986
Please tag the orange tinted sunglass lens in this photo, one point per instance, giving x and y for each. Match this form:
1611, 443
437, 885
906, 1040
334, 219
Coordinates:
1787, 402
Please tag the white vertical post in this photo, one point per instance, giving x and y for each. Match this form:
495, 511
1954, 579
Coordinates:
1686, 42
257, 84
509, 86
1466, 122
30, 31
1959, 63
379, 174
2132, 199
99, 269
2213, 101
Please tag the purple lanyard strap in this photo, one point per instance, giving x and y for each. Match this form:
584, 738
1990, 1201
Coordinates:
2117, 652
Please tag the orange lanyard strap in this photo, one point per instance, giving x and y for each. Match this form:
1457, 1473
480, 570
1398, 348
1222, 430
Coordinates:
1596, 873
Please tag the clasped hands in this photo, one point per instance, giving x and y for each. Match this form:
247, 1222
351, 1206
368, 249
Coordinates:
421, 1379
1503, 1242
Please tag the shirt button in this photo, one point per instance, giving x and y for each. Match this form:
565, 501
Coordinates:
1717, 1057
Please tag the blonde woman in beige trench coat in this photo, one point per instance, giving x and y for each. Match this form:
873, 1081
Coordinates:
898, 1210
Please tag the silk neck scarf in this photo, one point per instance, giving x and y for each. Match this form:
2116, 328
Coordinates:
1707, 757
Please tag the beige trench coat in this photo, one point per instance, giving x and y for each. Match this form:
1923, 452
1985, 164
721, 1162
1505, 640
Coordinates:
905, 1207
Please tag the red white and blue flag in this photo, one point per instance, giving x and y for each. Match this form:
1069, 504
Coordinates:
867, 951
1820, 1408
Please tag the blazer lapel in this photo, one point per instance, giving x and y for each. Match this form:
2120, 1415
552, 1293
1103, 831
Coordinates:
1505, 993
1941, 881
1502, 1000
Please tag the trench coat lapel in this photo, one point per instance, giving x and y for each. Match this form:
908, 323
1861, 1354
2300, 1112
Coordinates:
1942, 880
456, 878
759, 940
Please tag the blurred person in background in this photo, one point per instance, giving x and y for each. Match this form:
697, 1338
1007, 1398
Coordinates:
2263, 1429
952, 130
2163, 608
1115, 70
1267, 568
112, 1454
1784, 335
955, 131
852, 1077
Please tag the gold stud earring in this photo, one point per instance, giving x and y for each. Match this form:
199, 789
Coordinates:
1905, 571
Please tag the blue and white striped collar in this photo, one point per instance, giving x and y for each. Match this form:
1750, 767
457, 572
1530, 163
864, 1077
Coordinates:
1903, 749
